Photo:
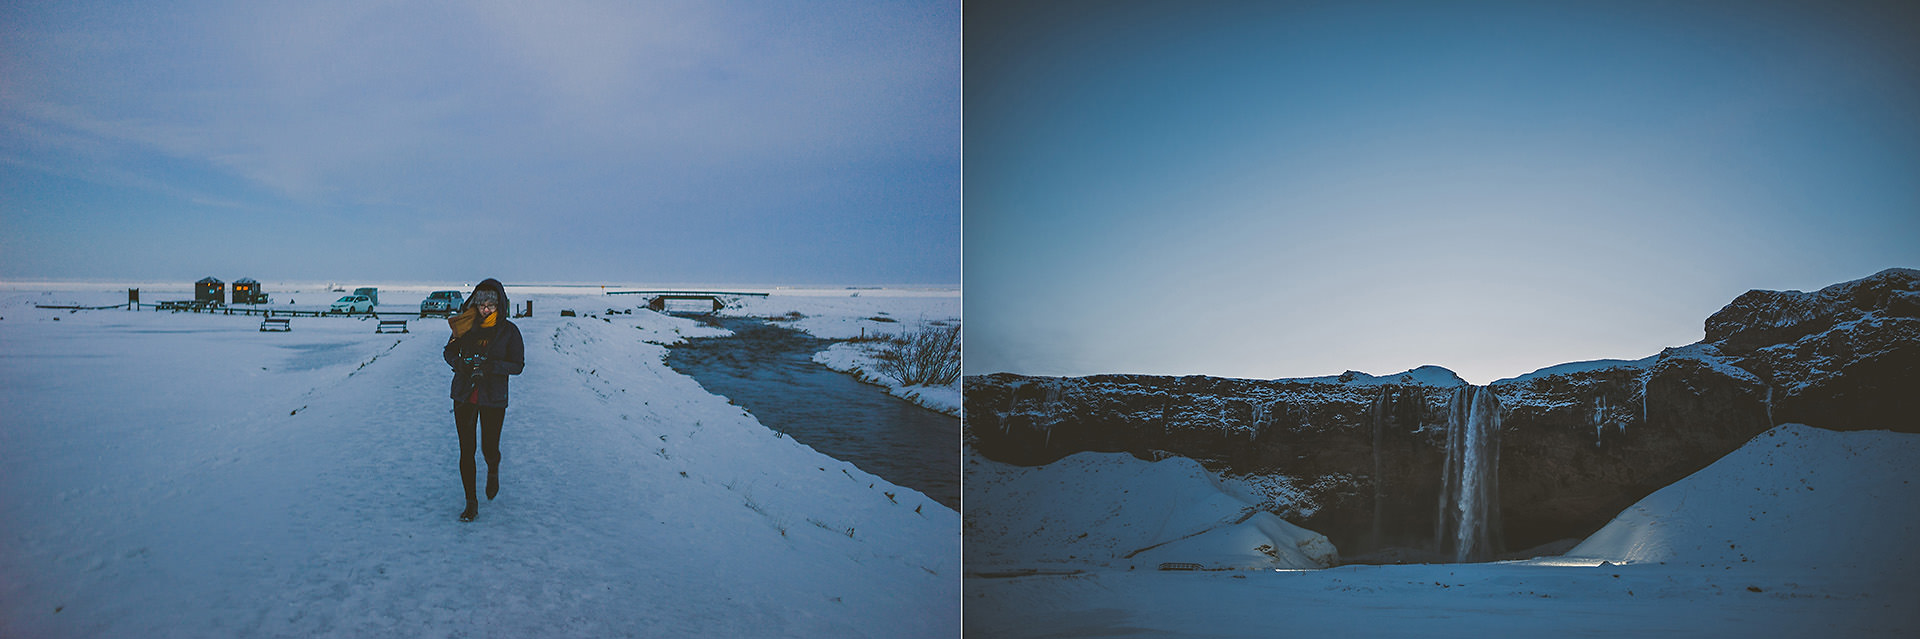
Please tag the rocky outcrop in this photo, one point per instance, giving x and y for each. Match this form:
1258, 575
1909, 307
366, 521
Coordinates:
1360, 458
1844, 357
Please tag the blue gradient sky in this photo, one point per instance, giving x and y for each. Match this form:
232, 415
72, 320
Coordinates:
753, 142
1293, 189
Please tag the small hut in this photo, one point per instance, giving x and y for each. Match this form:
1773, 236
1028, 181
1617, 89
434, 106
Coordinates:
210, 291
247, 291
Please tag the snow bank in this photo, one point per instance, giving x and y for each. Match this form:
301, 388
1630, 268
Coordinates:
1795, 496
859, 360
1114, 511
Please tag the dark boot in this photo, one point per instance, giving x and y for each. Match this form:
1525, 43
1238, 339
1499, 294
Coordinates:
493, 482
472, 511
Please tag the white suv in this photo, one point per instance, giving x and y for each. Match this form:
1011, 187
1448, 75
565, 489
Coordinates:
441, 302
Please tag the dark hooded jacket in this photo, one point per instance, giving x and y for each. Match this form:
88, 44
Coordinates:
500, 343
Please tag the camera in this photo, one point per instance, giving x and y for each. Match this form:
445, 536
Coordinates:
473, 363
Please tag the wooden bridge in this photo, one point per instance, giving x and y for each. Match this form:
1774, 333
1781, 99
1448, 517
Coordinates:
657, 300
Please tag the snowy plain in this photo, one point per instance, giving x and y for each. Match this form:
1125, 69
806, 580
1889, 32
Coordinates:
185, 475
1802, 532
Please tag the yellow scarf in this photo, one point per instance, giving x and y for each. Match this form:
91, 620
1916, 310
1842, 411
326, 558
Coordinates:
467, 319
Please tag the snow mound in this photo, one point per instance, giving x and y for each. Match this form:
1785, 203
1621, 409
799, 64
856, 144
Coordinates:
1794, 497
1112, 510
1570, 368
1428, 375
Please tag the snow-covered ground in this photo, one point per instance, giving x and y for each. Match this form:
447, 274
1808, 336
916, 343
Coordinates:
1802, 532
1109, 510
187, 475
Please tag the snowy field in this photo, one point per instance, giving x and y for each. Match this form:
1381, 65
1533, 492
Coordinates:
1803, 532
185, 475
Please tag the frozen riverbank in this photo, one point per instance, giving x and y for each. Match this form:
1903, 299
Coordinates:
770, 371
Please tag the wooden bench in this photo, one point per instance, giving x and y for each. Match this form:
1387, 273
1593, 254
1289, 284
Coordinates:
275, 324
391, 326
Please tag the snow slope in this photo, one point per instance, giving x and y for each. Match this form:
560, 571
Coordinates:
1794, 497
186, 475
1802, 532
1109, 510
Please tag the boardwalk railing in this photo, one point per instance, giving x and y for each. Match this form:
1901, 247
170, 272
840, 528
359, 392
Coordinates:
657, 300
193, 307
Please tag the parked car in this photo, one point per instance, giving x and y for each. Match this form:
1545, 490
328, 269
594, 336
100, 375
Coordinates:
441, 302
352, 304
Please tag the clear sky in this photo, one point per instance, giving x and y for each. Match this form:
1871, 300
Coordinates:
1275, 189
699, 142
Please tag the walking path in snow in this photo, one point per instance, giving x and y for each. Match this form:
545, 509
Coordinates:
186, 475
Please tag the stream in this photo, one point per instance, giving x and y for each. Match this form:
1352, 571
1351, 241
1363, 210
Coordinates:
770, 371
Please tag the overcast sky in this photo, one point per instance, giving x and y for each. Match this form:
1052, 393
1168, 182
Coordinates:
1272, 189
696, 142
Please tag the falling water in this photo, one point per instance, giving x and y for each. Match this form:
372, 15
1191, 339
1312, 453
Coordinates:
1469, 506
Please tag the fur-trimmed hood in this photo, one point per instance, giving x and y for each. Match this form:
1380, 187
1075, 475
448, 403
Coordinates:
506, 307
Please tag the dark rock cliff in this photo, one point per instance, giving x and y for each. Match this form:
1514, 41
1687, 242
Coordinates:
1362, 456
1844, 357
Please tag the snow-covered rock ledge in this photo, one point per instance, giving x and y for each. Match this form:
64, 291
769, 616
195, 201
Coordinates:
859, 360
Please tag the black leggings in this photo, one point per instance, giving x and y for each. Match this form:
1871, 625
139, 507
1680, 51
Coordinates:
490, 419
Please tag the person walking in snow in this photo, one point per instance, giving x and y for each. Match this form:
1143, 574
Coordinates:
484, 350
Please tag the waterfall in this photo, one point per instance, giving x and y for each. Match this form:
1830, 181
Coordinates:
1469, 496
1382, 405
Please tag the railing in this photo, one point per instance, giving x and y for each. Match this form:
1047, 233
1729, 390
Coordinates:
201, 307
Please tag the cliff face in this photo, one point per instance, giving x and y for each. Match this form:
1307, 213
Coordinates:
1844, 357
1360, 458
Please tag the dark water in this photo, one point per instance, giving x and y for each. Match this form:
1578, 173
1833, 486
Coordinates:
770, 371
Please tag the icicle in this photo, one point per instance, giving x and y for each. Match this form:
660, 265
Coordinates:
1770, 422
1643, 400
1596, 422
